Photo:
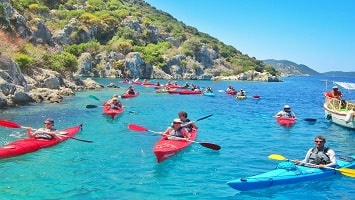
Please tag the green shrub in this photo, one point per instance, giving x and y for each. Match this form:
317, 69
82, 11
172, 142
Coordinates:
24, 61
62, 62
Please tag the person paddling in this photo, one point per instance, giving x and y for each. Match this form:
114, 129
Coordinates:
176, 131
47, 133
319, 156
286, 112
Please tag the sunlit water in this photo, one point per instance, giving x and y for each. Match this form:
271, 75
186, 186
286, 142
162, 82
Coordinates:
120, 164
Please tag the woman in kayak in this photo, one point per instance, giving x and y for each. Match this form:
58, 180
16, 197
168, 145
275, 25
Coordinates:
319, 156
115, 103
286, 112
176, 131
48, 132
187, 123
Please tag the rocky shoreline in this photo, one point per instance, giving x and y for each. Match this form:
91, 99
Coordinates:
37, 85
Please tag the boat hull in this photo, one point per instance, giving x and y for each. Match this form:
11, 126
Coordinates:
165, 148
124, 96
112, 113
287, 175
286, 121
334, 111
186, 92
29, 145
209, 94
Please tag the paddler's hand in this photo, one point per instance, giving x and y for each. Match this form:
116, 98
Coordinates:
320, 166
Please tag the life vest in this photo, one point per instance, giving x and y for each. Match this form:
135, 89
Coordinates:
287, 114
186, 124
175, 133
45, 134
319, 157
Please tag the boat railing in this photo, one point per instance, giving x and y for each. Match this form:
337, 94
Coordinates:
340, 105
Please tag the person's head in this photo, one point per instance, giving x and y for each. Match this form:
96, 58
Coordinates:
177, 123
319, 141
114, 99
182, 115
287, 108
49, 123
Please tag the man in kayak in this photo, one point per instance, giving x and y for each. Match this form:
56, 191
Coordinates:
286, 112
176, 131
319, 156
47, 133
187, 123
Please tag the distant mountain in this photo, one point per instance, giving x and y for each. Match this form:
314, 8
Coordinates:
339, 73
287, 68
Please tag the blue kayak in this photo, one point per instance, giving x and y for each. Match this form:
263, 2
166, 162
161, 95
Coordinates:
288, 173
209, 94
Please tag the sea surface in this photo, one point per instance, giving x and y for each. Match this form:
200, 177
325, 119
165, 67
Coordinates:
120, 164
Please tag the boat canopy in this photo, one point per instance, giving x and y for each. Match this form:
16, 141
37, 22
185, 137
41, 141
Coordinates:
346, 85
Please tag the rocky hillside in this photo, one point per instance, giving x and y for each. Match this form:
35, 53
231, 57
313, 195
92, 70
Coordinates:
48, 45
287, 68
117, 39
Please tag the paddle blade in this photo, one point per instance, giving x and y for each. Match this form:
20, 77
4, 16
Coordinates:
91, 106
204, 117
347, 172
9, 124
93, 97
138, 128
310, 120
210, 145
276, 157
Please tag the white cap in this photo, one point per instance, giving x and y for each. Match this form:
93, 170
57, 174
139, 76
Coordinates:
287, 106
177, 121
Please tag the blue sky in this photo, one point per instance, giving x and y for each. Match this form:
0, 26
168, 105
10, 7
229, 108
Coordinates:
316, 33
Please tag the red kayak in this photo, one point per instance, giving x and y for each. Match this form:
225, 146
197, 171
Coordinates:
176, 86
165, 148
232, 92
189, 92
286, 121
29, 145
112, 112
126, 95
173, 91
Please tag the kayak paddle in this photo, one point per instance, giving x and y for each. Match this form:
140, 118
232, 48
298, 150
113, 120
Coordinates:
138, 128
10, 124
94, 97
344, 171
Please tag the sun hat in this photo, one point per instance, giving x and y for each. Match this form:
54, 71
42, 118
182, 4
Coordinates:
287, 106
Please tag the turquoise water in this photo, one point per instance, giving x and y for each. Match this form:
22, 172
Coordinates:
120, 163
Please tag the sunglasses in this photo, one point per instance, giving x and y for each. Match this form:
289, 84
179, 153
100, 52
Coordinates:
47, 123
318, 141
